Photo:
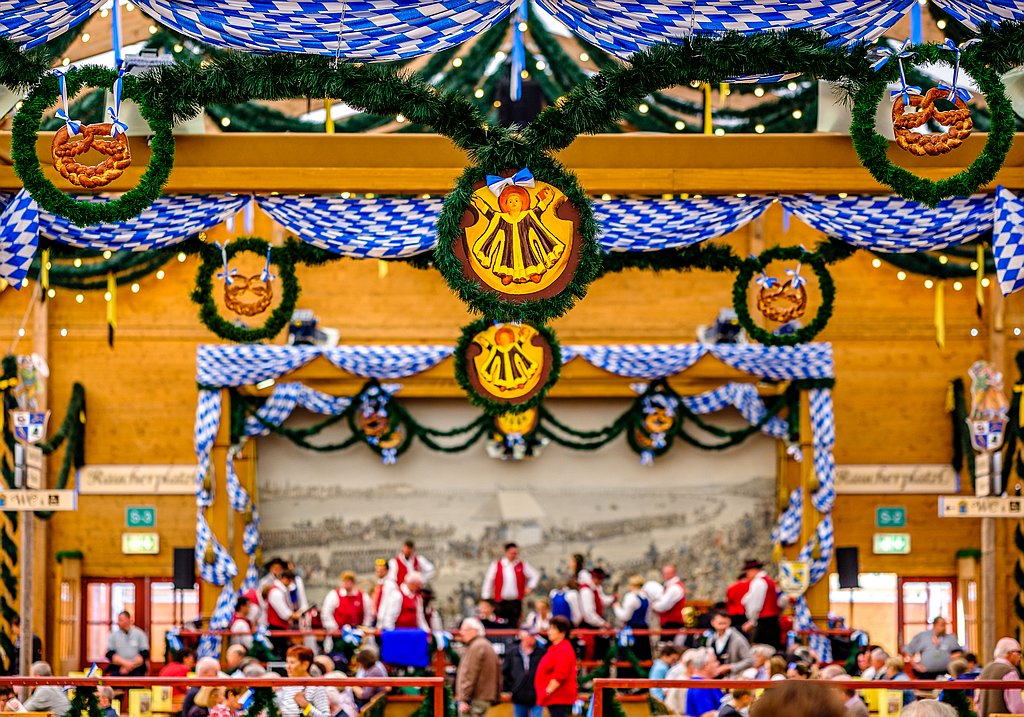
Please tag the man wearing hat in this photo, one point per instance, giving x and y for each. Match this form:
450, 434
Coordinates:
348, 605
734, 595
761, 605
593, 602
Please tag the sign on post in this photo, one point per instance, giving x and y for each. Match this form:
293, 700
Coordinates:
140, 516
38, 500
890, 516
955, 506
29, 426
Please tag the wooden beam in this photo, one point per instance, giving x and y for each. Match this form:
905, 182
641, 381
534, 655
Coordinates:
616, 164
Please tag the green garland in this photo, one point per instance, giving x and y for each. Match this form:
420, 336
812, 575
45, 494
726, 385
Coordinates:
85, 704
488, 404
742, 285
263, 703
281, 257
46, 194
493, 160
872, 148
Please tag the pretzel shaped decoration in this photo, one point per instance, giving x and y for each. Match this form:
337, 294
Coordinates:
958, 120
66, 147
782, 302
235, 295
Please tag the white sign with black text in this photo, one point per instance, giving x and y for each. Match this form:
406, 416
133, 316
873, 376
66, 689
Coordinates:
137, 480
885, 479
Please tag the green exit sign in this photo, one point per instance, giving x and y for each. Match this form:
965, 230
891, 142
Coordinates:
892, 544
891, 516
140, 516
140, 543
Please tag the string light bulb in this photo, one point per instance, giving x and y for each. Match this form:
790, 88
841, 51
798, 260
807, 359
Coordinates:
21, 333
680, 125
943, 259
457, 62
225, 121
974, 266
876, 262
182, 256
160, 274
759, 92
797, 114
974, 332
478, 93
719, 131
928, 283
941, 24
86, 37
135, 288
759, 129
540, 65
107, 254
985, 281
957, 286
51, 293
643, 108
77, 263
584, 57
63, 332
79, 298
1016, 331
107, 296
901, 275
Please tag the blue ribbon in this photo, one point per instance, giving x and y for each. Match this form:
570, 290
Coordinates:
115, 111
795, 280
246, 700
646, 458
352, 635
901, 54
764, 281
262, 636
953, 91
522, 178
389, 456
94, 669
626, 637
518, 64
173, 640
227, 274
265, 275
115, 33
73, 126
442, 639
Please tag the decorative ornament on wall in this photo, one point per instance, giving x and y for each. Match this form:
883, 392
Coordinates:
519, 244
248, 295
506, 367
379, 422
514, 436
782, 301
655, 420
989, 408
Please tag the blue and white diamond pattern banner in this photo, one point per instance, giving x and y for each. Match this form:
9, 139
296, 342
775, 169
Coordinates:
1008, 241
33, 22
19, 236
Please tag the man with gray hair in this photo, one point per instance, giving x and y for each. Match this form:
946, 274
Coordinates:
928, 708
205, 667
876, 669
478, 680
1004, 667
104, 698
46, 698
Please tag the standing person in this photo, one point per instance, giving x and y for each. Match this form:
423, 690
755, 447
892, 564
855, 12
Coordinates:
308, 701
1003, 667
508, 581
47, 698
761, 605
672, 601
127, 648
565, 602
555, 681
297, 590
404, 607
730, 647
593, 602
381, 587
734, 595
632, 612
347, 605
15, 656
281, 613
930, 651
478, 680
519, 673
241, 626
406, 561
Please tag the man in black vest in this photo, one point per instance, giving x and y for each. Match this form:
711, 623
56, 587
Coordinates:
518, 669
1004, 667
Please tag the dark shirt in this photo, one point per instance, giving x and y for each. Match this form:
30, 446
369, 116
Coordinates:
518, 676
189, 701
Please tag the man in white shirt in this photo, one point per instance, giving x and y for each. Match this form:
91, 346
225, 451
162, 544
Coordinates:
347, 605
669, 606
762, 604
404, 607
508, 581
593, 602
408, 561
281, 614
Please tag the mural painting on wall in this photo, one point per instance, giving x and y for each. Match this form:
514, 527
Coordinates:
461, 508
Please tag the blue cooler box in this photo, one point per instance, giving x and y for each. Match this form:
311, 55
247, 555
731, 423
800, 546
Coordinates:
406, 647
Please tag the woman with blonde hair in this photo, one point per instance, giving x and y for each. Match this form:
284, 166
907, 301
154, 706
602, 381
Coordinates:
206, 698
633, 611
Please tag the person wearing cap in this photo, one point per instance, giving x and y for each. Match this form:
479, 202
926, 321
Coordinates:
672, 601
1005, 666
346, 606
519, 672
508, 581
761, 605
408, 561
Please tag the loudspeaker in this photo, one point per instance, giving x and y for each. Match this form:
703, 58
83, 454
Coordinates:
848, 563
184, 568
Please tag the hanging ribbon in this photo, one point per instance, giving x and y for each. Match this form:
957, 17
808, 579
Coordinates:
887, 53
119, 127
352, 635
764, 281
227, 274
265, 275
940, 313
626, 637
442, 639
723, 92
44, 273
522, 178
708, 129
246, 700
173, 641
111, 307
249, 216
953, 89
328, 115
115, 33
73, 126
518, 64
795, 280
916, 30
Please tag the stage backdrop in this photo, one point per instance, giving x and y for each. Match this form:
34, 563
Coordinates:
705, 510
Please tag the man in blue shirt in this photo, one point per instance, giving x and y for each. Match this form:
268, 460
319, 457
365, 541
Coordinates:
702, 665
667, 657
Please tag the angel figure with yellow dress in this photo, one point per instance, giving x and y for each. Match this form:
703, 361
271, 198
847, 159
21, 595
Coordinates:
508, 360
516, 246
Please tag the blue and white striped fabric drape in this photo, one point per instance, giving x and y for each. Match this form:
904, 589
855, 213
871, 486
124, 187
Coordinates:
19, 236
379, 30
745, 399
